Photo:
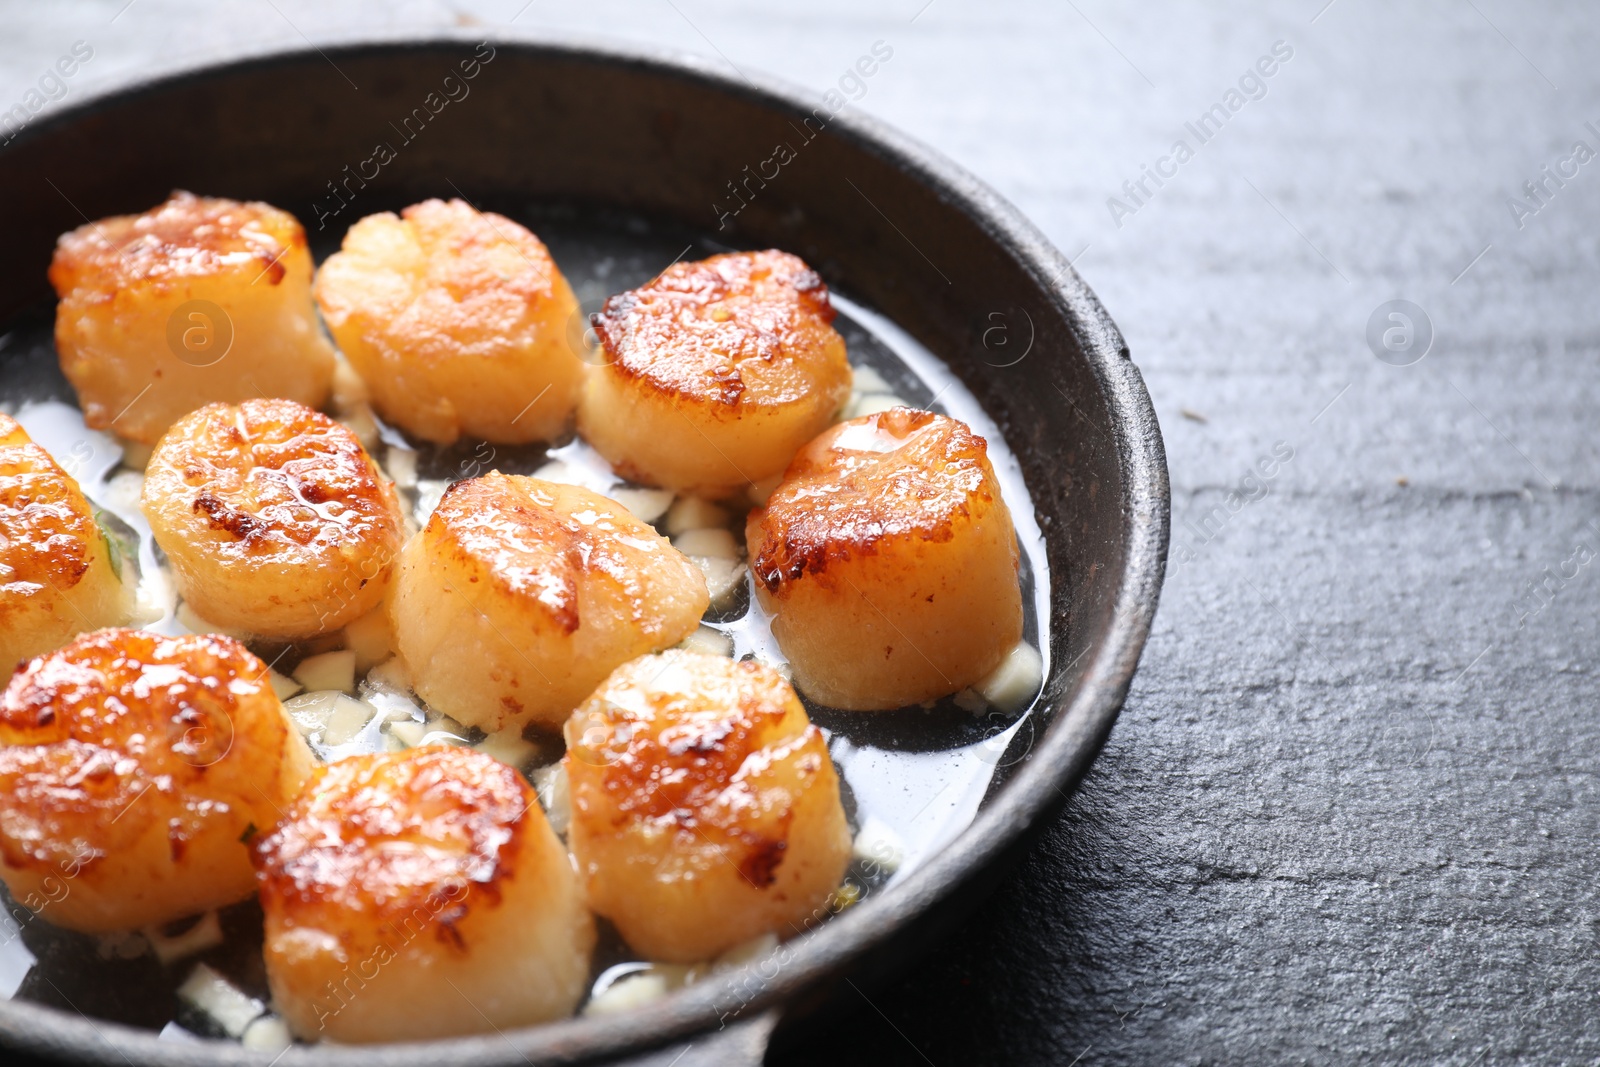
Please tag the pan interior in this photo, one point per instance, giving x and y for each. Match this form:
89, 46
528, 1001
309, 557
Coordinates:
912, 779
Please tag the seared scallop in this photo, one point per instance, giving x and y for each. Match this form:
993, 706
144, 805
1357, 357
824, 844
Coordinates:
520, 595
276, 521
196, 300
420, 894
705, 809
57, 574
459, 322
715, 372
132, 771
888, 561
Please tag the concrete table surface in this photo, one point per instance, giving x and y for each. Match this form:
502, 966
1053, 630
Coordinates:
1350, 811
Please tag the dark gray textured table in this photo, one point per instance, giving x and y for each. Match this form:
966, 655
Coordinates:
1350, 809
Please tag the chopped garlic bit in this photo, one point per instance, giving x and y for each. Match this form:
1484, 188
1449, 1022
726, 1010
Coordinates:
401, 466
646, 505
708, 641
509, 747
207, 933
121, 945
310, 711
551, 783
723, 577
123, 491
711, 541
1017, 680
225, 1003
628, 992
329, 716
408, 733
390, 676
331, 670
267, 1034
370, 639
972, 701
283, 686
691, 513
631, 985
877, 845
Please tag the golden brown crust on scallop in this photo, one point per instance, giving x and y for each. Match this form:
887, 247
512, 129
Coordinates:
480, 274
520, 595
187, 236
195, 301
275, 489
47, 529
899, 474
123, 729
705, 808
431, 832
673, 754
744, 329
11, 431
419, 894
57, 577
459, 321
524, 547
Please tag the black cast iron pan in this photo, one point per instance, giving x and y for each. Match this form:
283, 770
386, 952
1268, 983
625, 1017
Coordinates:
880, 216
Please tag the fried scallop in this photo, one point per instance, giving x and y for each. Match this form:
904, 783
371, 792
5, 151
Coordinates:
276, 521
196, 300
520, 595
715, 372
888, 561
132, 770
705, 808
420, 894
459, 322
58, 576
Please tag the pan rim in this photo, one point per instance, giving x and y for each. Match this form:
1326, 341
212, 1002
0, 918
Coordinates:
1058, 762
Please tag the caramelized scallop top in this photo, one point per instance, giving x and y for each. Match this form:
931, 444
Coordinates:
47, 529
450, 282
688, 740
386, 834
123, 728
745, 328
273, 479
544, 540
187, 236
899, 474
